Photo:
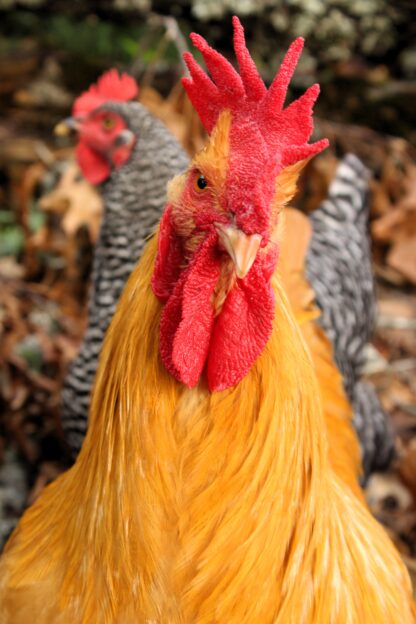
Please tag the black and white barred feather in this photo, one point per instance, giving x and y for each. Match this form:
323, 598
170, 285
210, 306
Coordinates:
338, 267
133, 198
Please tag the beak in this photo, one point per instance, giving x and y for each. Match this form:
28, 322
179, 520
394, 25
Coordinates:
241, 248
64, 127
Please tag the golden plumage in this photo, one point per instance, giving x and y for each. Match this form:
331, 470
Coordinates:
189, 507
344, 450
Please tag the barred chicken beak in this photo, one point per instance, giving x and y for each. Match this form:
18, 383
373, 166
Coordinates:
241, 247
64, 127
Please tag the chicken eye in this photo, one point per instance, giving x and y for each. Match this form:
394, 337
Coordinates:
200, 183
108, 123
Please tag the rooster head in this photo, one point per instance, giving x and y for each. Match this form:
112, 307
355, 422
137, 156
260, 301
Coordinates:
218, 239
105, 139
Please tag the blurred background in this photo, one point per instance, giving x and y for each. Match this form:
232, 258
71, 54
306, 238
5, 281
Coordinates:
363, 53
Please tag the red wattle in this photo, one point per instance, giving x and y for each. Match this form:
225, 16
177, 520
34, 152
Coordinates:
94, 167
242, 329
188, 317
191, 339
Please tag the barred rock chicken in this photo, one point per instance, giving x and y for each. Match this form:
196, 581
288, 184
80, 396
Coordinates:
340, 275
205, 490
132, 155
338, 267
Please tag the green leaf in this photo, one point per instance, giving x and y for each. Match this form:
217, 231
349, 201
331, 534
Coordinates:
11, 240
30, 351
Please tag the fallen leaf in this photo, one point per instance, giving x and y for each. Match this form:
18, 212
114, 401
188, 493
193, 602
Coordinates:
77, 201
397, 225
404, 307
402, 257
407, 466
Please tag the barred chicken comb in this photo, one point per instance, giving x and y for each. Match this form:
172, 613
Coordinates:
110, 86
285, 130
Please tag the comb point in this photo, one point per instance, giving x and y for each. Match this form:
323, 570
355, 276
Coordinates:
109, 86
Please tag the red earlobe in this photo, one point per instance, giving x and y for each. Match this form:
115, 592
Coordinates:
121, 155
168, 259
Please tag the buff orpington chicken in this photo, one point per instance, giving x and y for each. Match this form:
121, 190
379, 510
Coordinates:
207, 489
130, 156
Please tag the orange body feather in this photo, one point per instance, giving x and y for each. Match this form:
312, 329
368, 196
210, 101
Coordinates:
190, 507
344, 449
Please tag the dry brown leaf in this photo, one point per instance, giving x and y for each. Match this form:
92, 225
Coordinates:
407, 466
19, 150
396, 225
398, 222
314, 181
396, 393
404, 307
390, 275
380, 201
402, 257
77, 201
10, 269
404, 424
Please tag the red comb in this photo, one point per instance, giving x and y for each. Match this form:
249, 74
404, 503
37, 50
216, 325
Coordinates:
286, 130
110, 86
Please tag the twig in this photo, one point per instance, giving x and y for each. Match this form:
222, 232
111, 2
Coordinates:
172, 34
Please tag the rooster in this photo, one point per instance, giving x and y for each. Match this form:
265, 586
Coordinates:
340, 275
131, 156
204, 491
